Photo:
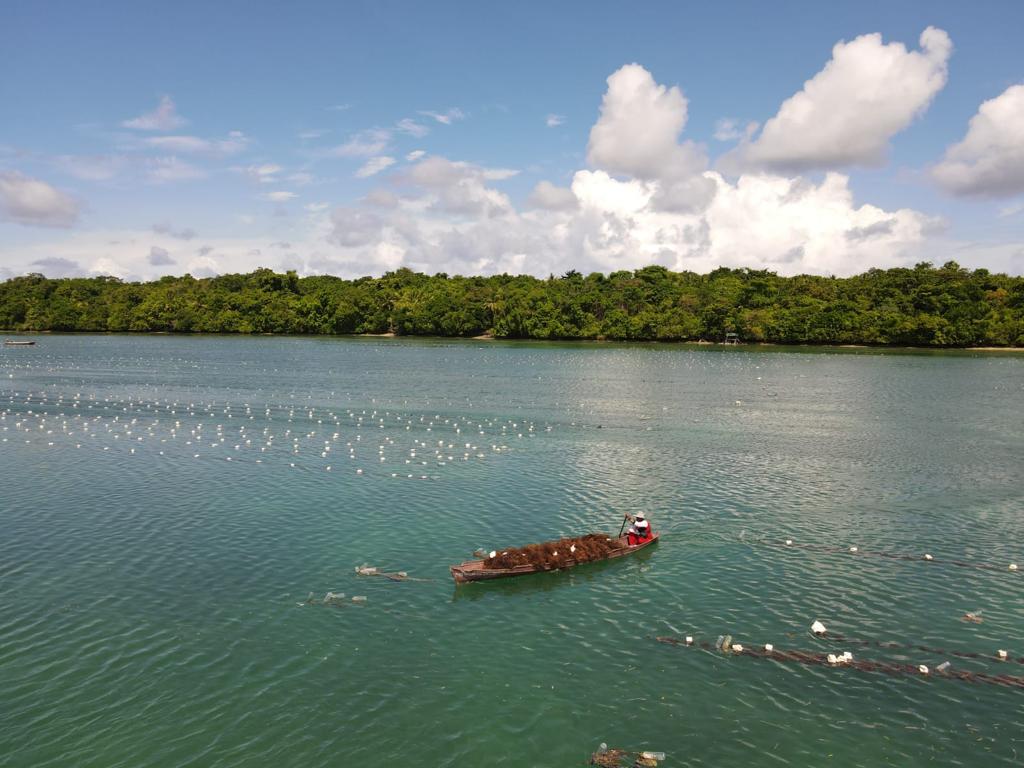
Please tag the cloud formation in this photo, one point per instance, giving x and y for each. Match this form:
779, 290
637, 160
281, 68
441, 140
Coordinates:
159, 257
989, 160
373, 166
33, 202
362, 144
445, 118
637, 135
235, 142
164, 118
846, 114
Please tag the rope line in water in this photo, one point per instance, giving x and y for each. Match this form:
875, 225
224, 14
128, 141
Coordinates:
769, 653
926, 649
923, 557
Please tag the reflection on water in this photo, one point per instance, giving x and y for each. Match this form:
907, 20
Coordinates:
169, 503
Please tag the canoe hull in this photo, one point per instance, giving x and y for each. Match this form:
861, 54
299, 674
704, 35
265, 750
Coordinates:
474, 570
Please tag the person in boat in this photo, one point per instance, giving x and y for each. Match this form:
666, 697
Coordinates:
640, 530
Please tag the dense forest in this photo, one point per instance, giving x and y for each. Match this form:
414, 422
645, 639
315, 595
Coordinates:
944, 306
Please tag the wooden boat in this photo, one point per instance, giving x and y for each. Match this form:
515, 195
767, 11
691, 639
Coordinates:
474, 570
11, 343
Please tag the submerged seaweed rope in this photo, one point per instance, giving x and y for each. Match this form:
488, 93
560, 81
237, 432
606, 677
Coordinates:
863, 665
924, 557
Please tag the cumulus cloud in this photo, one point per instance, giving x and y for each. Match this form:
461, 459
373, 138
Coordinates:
415, 155
373, 166
989, 161
553, 120
846, 114
25, 200
646, 197
164, 118
461, 188
159, 257
546, 195
638, 134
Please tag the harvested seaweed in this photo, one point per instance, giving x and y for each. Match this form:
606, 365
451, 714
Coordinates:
550, 555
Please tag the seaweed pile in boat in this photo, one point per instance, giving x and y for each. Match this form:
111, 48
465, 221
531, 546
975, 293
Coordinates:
556, 554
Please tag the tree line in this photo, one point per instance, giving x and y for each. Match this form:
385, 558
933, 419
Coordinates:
946, 306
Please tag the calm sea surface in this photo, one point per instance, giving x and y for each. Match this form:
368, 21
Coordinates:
168, 504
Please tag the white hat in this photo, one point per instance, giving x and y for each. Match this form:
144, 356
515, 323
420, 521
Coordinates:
639, 515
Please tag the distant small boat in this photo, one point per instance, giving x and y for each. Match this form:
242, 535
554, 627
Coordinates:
11, 343
476, 570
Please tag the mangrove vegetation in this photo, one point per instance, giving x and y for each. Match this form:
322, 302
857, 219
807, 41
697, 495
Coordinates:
946, 306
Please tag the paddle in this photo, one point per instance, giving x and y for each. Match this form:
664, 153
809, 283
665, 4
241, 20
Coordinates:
623, 526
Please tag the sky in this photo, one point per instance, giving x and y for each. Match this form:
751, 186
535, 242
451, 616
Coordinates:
142, 139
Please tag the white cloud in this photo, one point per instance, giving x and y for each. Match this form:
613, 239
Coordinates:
373, 166
279, 196
460, 188
445, 118
638, 133
847, 113
362, 144
25, 200
546, 195
314, 133
167, 169
412, 128
553, 120
235, 142
415, 155
729, 129
164, 118
267, 173
989, 161
498, 174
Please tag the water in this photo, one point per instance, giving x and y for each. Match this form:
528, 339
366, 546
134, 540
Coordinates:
153, 604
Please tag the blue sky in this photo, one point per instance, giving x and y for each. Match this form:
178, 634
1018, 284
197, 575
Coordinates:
144, 138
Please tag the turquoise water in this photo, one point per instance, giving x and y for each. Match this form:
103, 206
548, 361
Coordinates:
153, 594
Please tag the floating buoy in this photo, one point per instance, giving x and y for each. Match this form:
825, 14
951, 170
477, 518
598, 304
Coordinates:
928, 557
789, 542
853, 549
768, 647
689, 640
1013, 566
1002, 655
923, 669
737, 648
493, 553
832, 659
818, 628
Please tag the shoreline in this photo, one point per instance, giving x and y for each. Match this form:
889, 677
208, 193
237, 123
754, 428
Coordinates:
491, 338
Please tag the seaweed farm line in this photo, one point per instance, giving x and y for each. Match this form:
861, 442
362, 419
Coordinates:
924, 557
769, 652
